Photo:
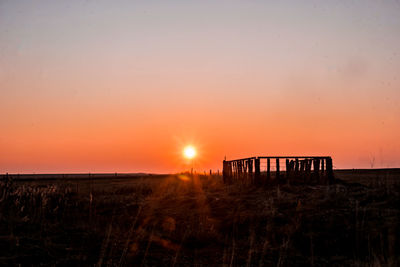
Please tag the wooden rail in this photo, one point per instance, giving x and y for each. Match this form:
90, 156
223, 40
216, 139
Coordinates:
265, 169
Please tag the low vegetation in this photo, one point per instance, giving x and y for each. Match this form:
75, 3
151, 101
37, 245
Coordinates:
180, 220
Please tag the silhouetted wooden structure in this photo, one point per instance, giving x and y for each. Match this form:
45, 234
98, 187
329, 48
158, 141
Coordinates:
263, 170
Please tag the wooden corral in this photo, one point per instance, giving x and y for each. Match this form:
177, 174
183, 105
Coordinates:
281, 169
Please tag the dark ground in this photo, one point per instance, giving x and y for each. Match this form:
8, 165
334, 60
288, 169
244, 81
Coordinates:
182, 221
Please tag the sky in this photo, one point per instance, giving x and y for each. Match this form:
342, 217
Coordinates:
124, 86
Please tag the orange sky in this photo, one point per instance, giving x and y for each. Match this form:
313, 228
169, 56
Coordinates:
96, 87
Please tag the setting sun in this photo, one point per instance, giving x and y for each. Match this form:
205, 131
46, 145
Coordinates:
189, 152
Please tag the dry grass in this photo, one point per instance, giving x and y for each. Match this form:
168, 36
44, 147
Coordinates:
180, 220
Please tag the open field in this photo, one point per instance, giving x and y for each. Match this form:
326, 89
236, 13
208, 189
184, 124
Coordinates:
180, 220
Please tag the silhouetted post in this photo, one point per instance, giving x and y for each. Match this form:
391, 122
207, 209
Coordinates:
322, 167
291, 166
237, 164
242, 169
91, 184
230, 169
316, 168
302, 168
246, 175
245, 169
307, 166
245, 165
296, 167
257, 171
239, 169
225, 171
230, 172
329, 170
268, 169
233, 170
250, 169
277, 168
287, 168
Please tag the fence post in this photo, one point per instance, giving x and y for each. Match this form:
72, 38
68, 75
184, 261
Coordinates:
224, 171
329, 170
307, 163
302, 166
268, 169
277, 168
240, 170
250, 169
316, 168
257, 171
234, 170
322, 167
292, 166
287, 169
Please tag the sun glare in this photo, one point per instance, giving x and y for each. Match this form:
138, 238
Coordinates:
189, 152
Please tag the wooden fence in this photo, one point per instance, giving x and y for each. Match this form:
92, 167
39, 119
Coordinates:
263, 170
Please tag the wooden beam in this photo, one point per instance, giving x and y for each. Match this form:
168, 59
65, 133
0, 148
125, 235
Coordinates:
277, 168
257, 171
329, 170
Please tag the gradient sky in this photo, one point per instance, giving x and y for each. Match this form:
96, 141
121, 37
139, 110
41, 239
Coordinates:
106, 86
